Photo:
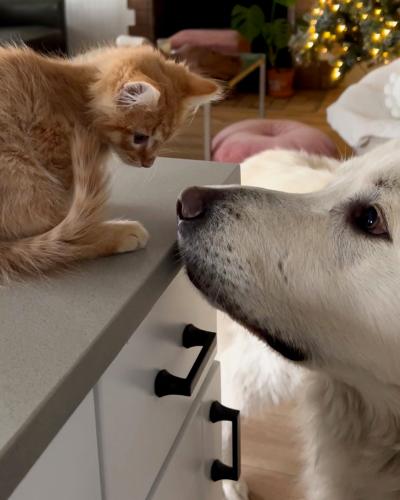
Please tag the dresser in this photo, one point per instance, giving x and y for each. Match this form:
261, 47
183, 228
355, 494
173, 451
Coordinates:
109, 388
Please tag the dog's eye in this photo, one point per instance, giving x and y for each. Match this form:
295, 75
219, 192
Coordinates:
370, 220
140, 139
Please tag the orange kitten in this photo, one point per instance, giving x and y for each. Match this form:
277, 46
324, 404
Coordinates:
58, 119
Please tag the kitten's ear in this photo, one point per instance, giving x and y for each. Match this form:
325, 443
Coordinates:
201, 90
138, 94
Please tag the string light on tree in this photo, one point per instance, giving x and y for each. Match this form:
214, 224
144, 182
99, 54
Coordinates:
346, 32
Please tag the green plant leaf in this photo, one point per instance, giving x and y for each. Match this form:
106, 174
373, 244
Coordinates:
280, 33
286, 3
276, 36
238, 9
267, 33
249, 21
277, 33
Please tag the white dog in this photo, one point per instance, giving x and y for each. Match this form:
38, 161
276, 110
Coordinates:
254, 378
316, 277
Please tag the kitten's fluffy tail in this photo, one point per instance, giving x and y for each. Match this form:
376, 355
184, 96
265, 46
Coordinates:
74, 236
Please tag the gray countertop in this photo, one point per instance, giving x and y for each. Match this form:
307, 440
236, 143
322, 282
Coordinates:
59, 335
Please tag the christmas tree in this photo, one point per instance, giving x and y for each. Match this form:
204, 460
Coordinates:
346, 32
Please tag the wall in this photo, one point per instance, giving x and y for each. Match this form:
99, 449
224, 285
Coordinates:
90, 22
162, 18
145, 22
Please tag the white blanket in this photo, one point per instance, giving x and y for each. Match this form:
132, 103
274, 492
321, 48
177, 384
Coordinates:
360, 113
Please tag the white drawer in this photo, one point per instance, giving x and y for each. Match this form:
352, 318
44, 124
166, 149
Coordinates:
186, 475
137, 428
69, 467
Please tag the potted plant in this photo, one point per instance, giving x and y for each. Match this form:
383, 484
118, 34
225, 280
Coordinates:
275, 33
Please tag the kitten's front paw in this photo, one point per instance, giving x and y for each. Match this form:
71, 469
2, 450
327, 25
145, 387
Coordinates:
235, 490
133, 237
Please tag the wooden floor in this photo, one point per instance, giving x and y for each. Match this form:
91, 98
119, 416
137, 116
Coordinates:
306, 106
271, 451
272, 455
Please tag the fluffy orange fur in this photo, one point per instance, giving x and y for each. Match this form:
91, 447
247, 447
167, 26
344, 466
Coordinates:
58, 120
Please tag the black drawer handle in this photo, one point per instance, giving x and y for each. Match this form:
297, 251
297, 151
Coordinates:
219, 470
166, 384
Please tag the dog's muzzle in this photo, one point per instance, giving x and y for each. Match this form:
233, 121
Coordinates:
210, 264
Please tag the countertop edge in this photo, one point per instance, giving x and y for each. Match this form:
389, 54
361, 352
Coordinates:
34, 437
23, 451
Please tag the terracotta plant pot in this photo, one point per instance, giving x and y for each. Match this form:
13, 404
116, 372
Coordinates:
280, 82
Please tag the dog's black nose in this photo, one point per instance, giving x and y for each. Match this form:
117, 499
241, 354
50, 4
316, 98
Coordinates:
193, 202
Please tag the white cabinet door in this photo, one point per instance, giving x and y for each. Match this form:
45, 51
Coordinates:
186, 474
69, 467
136, 428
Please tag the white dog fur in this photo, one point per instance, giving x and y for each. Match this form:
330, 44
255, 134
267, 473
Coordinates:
350, 398
254, 376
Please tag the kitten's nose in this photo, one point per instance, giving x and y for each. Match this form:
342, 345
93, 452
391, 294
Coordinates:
194, 201
148, 162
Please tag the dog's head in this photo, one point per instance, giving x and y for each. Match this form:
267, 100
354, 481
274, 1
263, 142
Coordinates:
316, 276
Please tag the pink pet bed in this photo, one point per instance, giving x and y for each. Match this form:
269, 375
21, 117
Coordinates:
246, 138
228, 41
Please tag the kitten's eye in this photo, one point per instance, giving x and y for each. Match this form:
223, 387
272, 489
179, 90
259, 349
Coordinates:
370, 220
140, 139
